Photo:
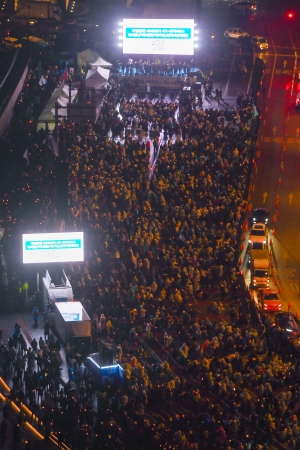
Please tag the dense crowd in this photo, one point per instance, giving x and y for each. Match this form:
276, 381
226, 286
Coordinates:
161, 232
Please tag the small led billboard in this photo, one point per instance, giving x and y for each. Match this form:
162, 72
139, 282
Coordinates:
158, 36
52, 247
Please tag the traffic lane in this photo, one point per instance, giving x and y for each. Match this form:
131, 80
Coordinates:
240, 74
287, 241
281, 33
293, 27
276, 98
286, 273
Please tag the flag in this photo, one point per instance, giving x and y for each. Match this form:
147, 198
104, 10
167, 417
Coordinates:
51, 144
181, 237
26, 156
254, 112
42, 81
65, 74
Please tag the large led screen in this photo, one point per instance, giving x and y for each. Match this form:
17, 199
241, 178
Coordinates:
158, 36
52, 247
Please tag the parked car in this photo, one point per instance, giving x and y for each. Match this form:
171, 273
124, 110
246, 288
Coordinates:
259, 43
268, 299
244, 6
235, 33
261, 215
288, 322
258, 233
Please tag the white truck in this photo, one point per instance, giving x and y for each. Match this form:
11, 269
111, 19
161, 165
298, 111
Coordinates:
72, 323
39, 10
260, 268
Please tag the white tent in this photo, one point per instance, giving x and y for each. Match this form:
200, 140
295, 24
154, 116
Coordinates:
49, 110
100, 62
86, 57
95, 78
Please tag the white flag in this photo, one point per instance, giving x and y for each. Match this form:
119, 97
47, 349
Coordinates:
26, 156
51, 144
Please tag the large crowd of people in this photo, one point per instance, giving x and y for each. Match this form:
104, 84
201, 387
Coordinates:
161, 202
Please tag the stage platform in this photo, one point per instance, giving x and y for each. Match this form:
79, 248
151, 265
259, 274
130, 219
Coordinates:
156, 81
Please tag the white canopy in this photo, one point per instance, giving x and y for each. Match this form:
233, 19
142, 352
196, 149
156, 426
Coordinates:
86, 57
59, 93
96, 78
101, 62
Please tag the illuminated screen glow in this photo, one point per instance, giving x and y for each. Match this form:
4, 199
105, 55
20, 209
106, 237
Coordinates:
52, 247
158, 36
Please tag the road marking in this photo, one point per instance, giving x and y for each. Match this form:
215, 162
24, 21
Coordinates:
273, 139
291, 196
274, 129
294, 287
284, 64
264, 121
272, 76
231, 68
250, 78
267, 108
297, 131
285, 255
295, 71
285, 272
280, 139
283, 72
265, 195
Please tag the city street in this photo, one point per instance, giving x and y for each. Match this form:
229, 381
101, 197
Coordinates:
276, 176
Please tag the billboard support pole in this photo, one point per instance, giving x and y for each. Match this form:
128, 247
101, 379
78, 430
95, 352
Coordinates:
38, 282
